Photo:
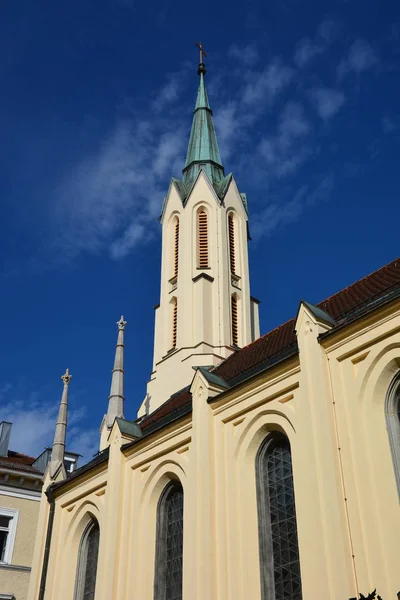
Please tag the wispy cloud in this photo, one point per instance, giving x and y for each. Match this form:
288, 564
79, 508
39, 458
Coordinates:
285, 152
245, 55
306, 49
280, 214
264, 86
389, 125
34, 418
108, 199
327, 102
360, 58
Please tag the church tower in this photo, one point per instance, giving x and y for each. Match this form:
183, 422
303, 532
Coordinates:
205, 310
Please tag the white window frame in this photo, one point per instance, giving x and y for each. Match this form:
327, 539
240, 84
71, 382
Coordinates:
12, 531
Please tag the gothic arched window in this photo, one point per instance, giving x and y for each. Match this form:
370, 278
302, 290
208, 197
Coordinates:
87, 562
169, 550
279, 552
392, 410
202, 239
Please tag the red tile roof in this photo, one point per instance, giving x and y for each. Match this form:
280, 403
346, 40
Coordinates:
340, 306
279, 342
18, 462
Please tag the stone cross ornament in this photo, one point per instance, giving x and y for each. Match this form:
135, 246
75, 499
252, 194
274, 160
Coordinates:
121, 323
66, 377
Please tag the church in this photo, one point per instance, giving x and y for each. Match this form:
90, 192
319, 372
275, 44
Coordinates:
258, 468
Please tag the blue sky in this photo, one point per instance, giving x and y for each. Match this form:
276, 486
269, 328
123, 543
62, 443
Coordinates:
95, 115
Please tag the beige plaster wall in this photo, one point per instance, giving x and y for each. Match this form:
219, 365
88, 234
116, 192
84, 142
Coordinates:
329, 401
26, 529
16, 580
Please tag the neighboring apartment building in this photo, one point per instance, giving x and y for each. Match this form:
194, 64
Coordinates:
21, 480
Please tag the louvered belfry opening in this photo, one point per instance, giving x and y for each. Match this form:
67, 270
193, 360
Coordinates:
176, 247
202, 239
235, 336
174, 322
231, 233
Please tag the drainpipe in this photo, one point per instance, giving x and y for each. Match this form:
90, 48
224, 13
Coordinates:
51, 501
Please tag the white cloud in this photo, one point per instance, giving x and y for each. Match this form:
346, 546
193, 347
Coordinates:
264, 86
34, 419
327, 102
280, 214
245, 55
168, 94
110, 196
361, 57
285, 152
328, 30
389, 125
306, 49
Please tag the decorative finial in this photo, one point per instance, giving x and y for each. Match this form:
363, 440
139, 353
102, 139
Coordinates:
202, 66
121, 323
66, 377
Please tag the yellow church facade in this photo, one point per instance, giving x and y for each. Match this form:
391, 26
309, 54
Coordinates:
261, 468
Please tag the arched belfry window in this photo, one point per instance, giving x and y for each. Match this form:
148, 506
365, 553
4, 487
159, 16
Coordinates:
87, 562
169, 548
174, 322
231, 237
279, 551
234, 317
176, 246
202, 239
392, 410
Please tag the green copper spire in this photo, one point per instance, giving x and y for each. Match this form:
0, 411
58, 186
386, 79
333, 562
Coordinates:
203, 151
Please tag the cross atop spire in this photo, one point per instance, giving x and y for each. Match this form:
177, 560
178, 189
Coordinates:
203, 152
202, 51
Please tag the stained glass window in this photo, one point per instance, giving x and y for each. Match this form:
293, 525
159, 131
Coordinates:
87, 563
279, 551
392, 410
169, 553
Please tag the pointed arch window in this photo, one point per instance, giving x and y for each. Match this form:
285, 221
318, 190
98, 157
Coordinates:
174, 321
234, 316
392, 413
176, 247
169, 546
202, 239
87, 562
231, 236
279, 551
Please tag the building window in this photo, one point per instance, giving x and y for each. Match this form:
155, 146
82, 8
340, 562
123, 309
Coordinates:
176, 247
87, 563
231, 236
202, 239
392, 410
279, 551
234, 310
174, 321
169, 550
8, 529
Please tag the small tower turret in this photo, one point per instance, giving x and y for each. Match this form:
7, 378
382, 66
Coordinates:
58, 449
116, 397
